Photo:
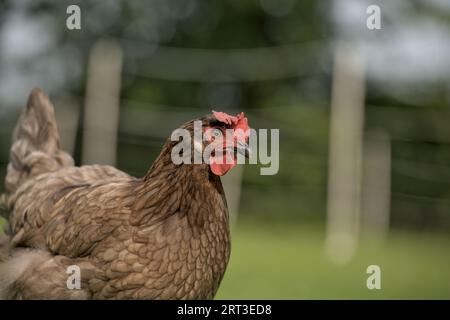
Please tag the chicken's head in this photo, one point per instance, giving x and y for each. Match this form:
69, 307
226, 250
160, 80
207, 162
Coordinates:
225, 136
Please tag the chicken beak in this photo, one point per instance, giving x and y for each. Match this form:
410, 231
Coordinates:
243, 148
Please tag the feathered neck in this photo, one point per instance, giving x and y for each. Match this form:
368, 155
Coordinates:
178, 189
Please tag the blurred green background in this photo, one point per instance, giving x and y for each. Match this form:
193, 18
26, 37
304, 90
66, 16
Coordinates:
276, 61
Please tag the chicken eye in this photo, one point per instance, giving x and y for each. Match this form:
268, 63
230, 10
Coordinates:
216, 133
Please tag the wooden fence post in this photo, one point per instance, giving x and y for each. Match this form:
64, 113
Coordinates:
101, 110
345, 154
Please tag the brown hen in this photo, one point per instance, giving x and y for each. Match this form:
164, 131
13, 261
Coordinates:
163, 236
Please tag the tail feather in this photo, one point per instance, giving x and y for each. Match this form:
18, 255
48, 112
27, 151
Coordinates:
35, 147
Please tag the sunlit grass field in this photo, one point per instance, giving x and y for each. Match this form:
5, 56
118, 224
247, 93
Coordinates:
287, 261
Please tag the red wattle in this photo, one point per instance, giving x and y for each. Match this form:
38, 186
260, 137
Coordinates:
224, 167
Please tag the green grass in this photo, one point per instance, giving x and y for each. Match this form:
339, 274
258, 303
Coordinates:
288, 262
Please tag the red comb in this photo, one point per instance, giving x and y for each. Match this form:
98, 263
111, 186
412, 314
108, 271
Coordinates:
239, 121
